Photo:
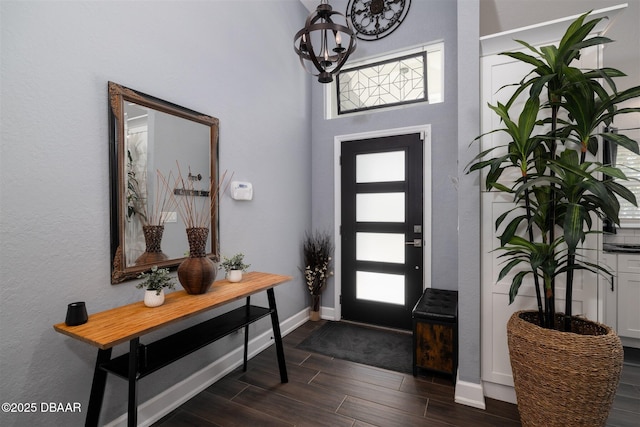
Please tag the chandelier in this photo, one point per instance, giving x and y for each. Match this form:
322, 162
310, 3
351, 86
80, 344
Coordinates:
324, 44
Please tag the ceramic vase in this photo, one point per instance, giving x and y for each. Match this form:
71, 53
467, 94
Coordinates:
153, 299
234, 275
197, 273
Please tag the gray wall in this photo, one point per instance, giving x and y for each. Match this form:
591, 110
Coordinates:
229, 59
468, 118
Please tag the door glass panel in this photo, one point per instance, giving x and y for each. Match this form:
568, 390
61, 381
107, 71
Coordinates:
380, 167
380, 287
380, 207
380, 247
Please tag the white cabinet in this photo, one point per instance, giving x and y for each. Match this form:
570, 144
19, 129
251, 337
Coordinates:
629, 295
607, 289
622, 297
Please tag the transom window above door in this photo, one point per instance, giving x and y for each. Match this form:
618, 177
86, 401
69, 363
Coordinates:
408, 77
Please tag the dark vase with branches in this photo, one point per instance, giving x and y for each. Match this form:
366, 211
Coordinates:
196, 208
561, 190
317, 250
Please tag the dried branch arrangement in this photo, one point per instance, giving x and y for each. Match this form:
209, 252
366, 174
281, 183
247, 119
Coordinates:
163, 202
191, 203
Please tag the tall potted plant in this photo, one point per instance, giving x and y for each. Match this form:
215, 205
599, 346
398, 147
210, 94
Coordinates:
560, 191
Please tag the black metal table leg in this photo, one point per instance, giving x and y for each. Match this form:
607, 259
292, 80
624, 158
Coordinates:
97, 388
133, 383
277, 337
246, 337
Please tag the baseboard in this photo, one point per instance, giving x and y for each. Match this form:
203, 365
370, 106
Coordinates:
328, 313
630, 342
501, 392
469, 394
159, 406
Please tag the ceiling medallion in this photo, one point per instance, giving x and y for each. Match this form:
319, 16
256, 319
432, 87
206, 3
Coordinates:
375, 19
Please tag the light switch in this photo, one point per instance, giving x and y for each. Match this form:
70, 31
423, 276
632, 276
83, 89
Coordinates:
169, 216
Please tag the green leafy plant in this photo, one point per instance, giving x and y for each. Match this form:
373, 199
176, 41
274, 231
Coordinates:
559, 191
136, 201
156, 280
236, 262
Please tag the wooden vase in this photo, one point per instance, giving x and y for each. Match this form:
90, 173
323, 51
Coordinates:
153, 241
153, 299
197, 273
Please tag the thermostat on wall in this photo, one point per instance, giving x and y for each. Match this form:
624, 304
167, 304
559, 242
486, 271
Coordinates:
241, 190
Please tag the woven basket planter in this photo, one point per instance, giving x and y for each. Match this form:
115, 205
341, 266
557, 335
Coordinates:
561, 378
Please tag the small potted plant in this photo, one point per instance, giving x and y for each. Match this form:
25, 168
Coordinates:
154, 282
234, 267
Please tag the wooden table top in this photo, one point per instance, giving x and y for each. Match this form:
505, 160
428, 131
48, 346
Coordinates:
121, 324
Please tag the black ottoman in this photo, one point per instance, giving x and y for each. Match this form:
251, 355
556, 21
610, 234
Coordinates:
435, 332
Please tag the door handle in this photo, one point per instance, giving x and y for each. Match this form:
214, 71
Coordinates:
416, 243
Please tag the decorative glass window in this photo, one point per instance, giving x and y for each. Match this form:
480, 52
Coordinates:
412, 76
382, 84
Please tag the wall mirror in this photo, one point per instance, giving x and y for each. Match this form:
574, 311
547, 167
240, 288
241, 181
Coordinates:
147, 135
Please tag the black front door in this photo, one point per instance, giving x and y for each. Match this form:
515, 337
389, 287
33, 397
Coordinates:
381, 229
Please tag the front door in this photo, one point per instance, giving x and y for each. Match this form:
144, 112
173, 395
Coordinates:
382, 229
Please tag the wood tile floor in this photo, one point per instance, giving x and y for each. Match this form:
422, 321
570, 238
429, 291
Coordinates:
329, 392
626, 405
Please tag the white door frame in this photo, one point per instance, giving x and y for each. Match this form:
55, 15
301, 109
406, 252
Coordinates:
425, 131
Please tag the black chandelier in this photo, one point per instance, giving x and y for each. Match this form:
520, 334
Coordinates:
322, 42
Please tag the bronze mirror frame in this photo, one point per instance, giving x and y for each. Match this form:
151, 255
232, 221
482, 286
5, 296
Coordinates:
118, 96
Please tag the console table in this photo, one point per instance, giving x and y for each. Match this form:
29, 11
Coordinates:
128, 323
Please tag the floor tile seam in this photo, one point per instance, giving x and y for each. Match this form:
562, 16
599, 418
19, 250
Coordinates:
362, 380
251, 409
287, 396
201, 418
392, 408
626, 411
633, 395
377, 387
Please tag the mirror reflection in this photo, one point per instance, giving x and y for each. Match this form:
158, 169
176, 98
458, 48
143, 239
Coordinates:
155, 143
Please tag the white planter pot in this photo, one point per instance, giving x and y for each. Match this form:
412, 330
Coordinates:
234, 275
151, 299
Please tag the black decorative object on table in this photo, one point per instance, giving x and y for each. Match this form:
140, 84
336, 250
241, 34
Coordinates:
76, 314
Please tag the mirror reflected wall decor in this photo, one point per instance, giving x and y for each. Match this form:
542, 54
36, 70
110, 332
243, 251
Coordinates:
148, 134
